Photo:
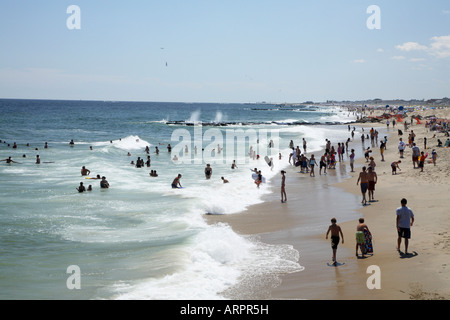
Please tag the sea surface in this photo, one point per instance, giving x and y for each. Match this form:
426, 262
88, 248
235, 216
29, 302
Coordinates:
141, 239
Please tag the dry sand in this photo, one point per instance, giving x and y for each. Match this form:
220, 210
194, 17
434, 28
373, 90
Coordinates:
422, 274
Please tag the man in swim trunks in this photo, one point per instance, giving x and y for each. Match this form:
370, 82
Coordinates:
363, 178
176, 182
372, 180
336, 231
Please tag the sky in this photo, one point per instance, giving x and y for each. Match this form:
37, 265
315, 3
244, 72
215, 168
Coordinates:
224, 51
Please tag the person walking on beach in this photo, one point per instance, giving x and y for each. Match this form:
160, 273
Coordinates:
360, 236
372, 180
415, 155
363, 178
336, 234
401, 147
382, 148
422, 159
323, 164
404, 222
283, 187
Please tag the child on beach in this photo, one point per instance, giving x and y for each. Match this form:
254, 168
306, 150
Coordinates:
352, 159
335, 231
312, 163
360, 236
434, 156
422, 160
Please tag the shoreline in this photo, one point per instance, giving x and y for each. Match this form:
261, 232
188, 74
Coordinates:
427, 273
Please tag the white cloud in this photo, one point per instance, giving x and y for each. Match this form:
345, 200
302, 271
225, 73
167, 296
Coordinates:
446, 12
398, 58
411, 46
417, 59
439, 47
380, 50
359, 61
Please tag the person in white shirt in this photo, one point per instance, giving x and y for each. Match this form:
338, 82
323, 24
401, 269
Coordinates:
401, 147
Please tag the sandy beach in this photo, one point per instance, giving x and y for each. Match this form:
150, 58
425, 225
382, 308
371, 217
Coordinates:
422, 274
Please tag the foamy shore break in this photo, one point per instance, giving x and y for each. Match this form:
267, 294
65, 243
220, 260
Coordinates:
422, 274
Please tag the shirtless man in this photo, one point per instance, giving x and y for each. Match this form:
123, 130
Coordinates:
84, 171
372, 180
363, 178
336, 231
176, 182
9, 160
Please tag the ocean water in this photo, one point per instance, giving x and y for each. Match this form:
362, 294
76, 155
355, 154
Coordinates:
141, 239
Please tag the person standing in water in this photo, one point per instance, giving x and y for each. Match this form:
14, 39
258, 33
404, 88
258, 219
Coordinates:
208, 171
283, 187
104, 184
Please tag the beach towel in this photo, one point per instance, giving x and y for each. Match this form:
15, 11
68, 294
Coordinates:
367, 248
